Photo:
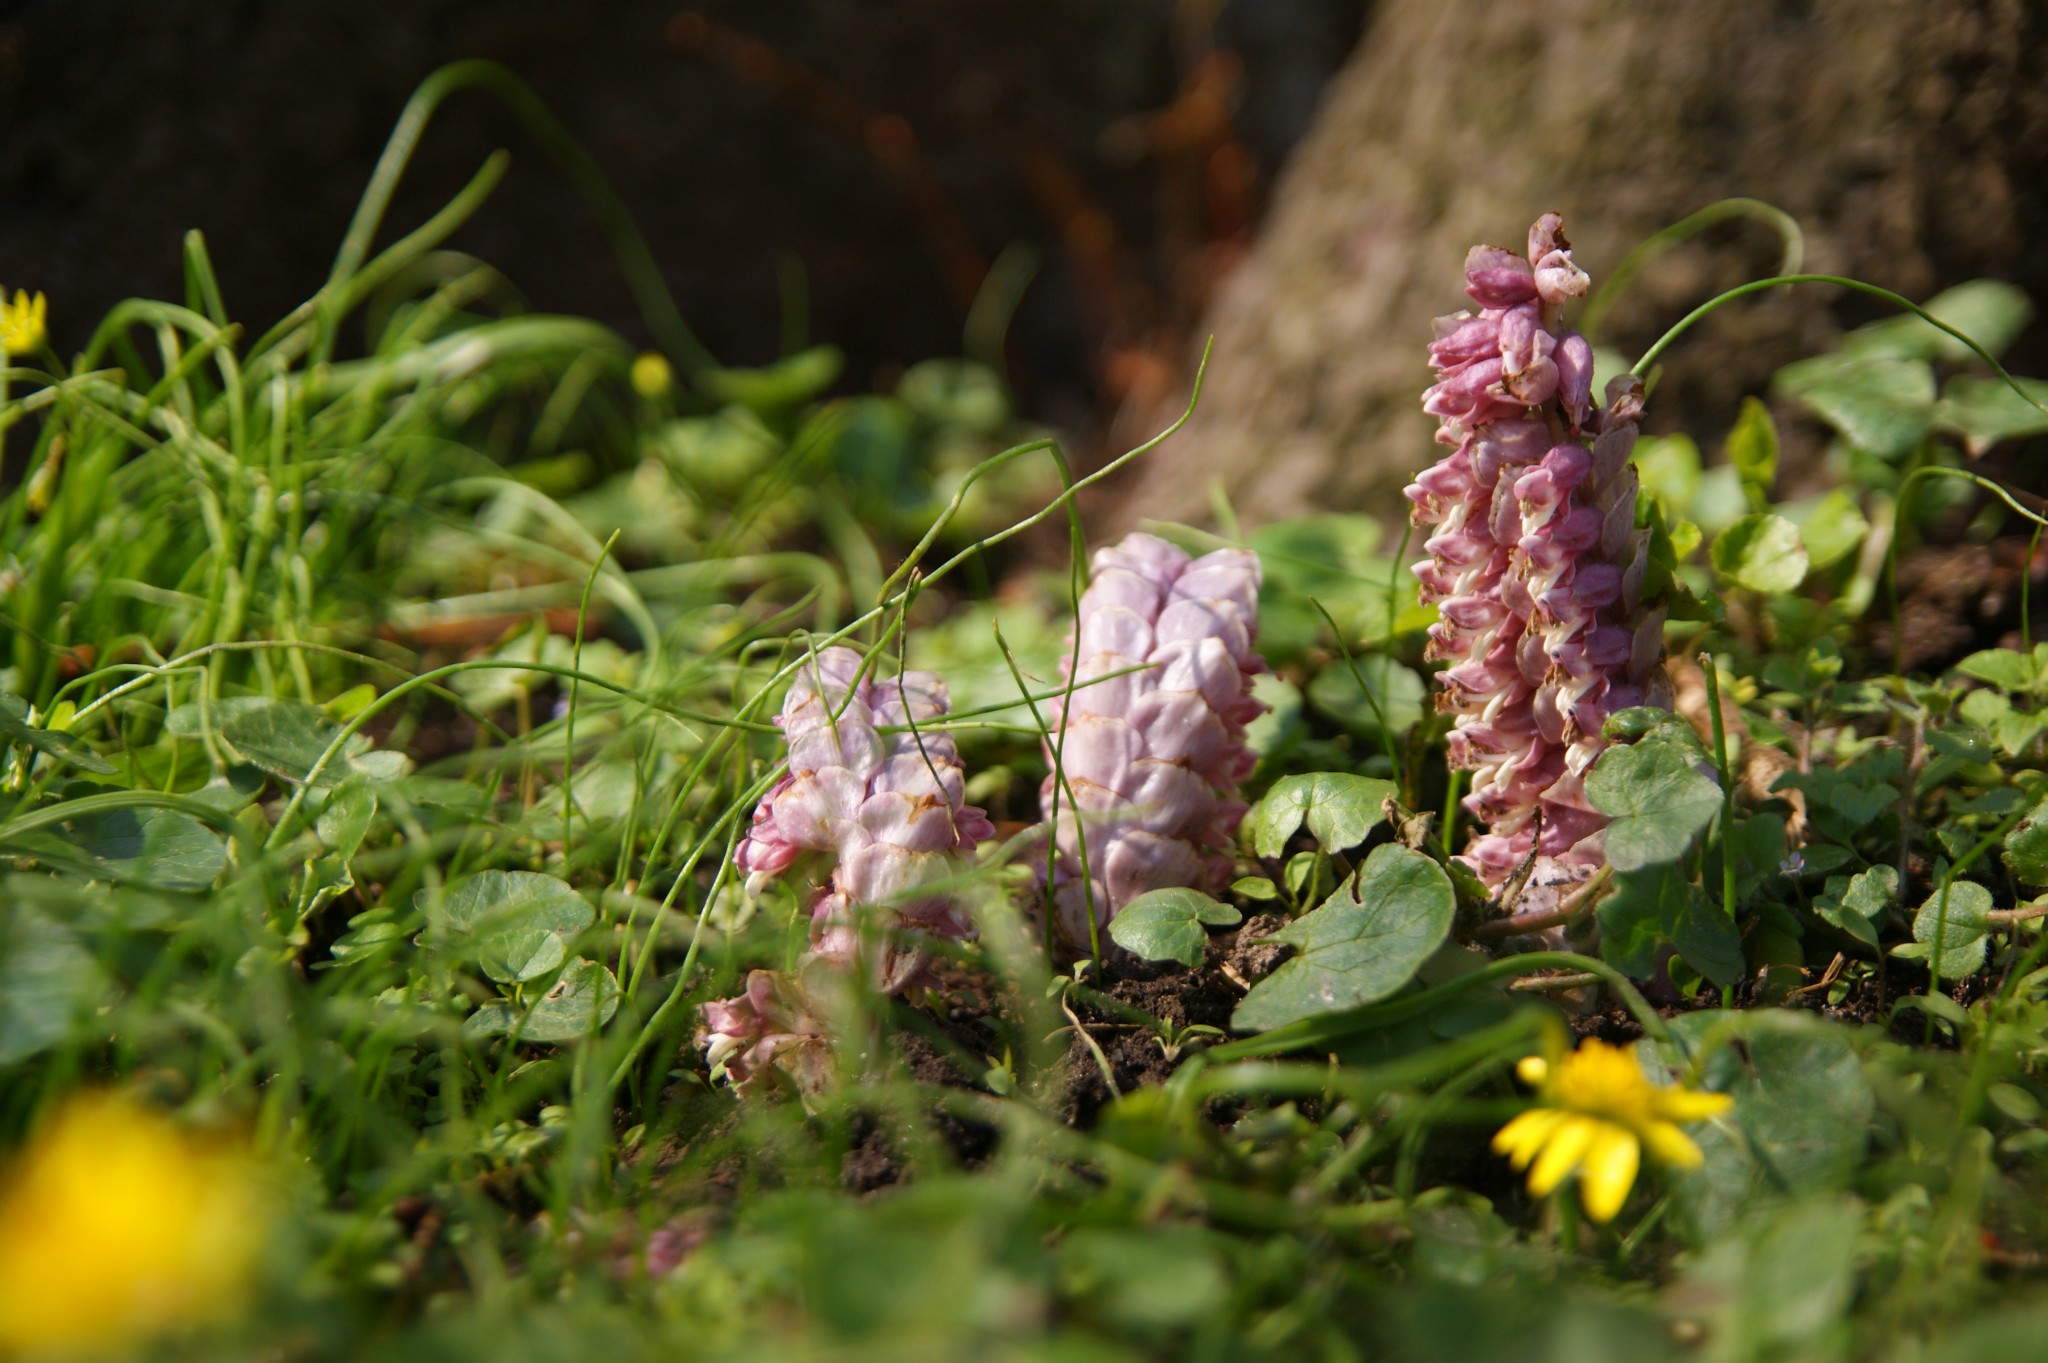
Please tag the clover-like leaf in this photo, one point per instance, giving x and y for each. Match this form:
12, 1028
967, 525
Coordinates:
1360, 945
1339, 808
1952, 935
1831, 526
1762, 553
517, 924
1878, 403
1657, 800
1395, 689
1985, 411
1169, 924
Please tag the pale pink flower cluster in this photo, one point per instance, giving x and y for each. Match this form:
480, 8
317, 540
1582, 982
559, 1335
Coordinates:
1152, 743
1535, 562
889, 811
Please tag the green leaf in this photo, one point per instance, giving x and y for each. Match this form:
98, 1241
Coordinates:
517, 924
1753, 452
2012, 729
1989, 312
581, 1001
1362, 944
1801, 1117
1877, 403
1397, 689
2005, 668
1762, 553
346, 817
1831, 527
15, 728
49, 982
1669, 469
1985, 411
1168, 925
1962, 927
1340, 809
1658, 905
2026, 847
158, 847
1657, 799
1859, 904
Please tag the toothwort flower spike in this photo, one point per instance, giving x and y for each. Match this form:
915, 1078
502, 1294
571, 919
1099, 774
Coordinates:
1152, 758
889, 812
1535, 563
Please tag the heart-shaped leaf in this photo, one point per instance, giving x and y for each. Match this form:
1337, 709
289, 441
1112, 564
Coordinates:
1168, 925
1362, 944
517, 924
1339, 808
1657, 799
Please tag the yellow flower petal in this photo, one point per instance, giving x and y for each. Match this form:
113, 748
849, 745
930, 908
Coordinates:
1521, 1138
1671, 1146
1561, 1155
1531, 1069
1689, 1105
1609, 1172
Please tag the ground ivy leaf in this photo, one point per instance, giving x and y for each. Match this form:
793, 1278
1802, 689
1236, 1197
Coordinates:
1339, 808
2026, 847
1168, 925
516, 923
1761, 552
1657, 799
1363, 943
1963, 929
2005, 668
1858, 904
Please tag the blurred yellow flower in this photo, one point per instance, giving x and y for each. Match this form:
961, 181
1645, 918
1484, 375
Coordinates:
651, 374
115, 1226
23, 322
1596, 1110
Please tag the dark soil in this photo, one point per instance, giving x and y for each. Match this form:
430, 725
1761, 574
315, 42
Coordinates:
1956, 599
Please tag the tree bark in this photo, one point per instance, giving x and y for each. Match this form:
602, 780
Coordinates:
1906, 136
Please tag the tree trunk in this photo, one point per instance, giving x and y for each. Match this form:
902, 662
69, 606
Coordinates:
1908, 137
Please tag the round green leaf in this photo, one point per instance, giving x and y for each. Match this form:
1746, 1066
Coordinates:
1362, 944
517, 924
1168, 925
1962, 927
1762, 553
580, 1002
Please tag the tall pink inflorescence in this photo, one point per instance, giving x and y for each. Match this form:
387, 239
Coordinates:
1151, 743
1535, 563
889, 810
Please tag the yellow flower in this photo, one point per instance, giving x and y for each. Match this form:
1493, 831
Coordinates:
651, 374
22, 322
116, 1226
1596, 1110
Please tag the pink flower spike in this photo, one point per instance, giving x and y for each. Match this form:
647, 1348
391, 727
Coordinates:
1536, 566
